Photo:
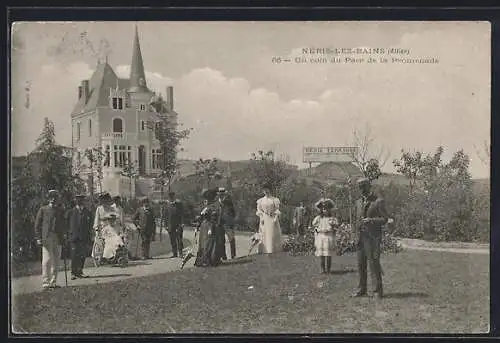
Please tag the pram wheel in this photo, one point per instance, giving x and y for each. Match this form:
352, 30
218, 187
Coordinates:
122, 261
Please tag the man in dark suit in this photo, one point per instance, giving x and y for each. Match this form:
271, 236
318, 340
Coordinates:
227, 220
370, 216
173, 217
145, 220
79, 221
49, 234
299, 219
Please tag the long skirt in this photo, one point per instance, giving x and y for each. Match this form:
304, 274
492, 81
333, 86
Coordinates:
271, 235
210, 246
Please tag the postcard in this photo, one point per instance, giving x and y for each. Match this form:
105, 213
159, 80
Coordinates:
250, 177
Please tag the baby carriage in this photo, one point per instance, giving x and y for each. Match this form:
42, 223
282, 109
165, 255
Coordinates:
110, 244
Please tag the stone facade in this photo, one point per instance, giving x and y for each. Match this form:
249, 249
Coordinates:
114, 116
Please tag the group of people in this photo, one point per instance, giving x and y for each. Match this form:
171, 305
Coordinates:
103, 233
370, 216
215, 222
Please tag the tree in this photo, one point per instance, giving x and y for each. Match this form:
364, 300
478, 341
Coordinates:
129, 170
207, 170
26, 198
54, 164
47, 167
369, 158
166, 132
265, 169
441, 204
95, 156
415, 166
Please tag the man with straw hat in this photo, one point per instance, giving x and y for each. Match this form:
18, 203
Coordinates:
370, 216
49, 234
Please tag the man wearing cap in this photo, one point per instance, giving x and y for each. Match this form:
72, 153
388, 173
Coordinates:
370, 216
145, 220
49, 234
173, 216
79, 221
227, 219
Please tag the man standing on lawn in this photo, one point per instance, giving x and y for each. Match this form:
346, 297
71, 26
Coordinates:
173, 218
79, 221
228, 215
49, 234
145, 221
299, 219
370, 216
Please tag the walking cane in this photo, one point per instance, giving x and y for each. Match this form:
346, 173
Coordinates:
65, 266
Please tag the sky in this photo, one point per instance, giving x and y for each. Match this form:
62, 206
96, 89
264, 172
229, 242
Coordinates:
227, 88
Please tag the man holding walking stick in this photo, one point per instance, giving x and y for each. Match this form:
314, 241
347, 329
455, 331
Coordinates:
49, 234
79, 221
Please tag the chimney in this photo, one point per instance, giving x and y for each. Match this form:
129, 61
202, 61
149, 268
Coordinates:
85, 90
170, 98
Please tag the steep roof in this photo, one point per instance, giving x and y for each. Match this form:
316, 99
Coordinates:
100, 82
137, 74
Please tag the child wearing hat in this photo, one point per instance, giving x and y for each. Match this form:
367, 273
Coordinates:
325, 225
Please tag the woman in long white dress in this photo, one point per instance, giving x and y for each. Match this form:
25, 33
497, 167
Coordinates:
268, 211
103, 211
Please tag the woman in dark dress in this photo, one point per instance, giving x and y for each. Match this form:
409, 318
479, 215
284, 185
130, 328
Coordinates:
210, 233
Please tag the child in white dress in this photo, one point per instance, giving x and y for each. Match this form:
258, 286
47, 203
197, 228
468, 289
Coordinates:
325, 226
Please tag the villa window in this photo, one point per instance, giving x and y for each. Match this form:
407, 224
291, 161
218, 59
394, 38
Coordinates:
121, 154
143, 125
156, 158
117, 125
117, 103
90, 127
142, 107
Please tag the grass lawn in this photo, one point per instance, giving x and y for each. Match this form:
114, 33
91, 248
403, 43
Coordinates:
35, 268
426, 292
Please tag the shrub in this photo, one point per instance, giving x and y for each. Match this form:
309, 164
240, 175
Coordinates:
345, 242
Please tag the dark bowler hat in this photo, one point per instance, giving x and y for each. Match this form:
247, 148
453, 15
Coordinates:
117, 198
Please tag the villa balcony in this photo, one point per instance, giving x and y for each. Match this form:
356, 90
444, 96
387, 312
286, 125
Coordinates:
119, 136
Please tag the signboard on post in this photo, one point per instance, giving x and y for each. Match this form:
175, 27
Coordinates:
329, 154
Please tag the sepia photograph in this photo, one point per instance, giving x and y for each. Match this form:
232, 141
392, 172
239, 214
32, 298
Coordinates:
237, 177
